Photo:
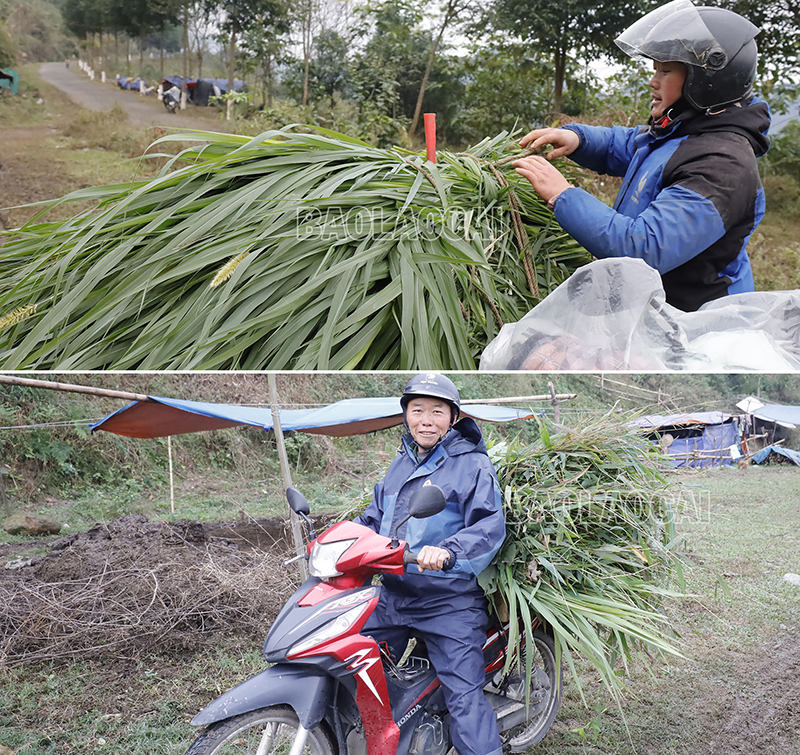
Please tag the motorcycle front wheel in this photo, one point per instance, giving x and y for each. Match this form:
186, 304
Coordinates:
523, 719
266, 731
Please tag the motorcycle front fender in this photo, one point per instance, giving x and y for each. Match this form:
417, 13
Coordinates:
306, 688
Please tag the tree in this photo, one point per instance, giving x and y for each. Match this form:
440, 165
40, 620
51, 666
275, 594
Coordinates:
264, 42
139, 18
312, 18
451, 9
329, 65
197, 21
506, 89
565, 28
387, 71
85, 17
778, 43
245, 14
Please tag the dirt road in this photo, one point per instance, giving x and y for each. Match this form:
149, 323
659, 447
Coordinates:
142, 110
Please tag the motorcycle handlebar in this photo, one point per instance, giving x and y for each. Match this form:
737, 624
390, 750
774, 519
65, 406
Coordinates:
411, 558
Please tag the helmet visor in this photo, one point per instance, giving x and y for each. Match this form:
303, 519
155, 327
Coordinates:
673, 32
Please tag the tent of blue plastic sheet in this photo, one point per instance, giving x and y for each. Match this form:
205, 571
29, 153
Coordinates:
200, 91
695, 439
159, 417
783, 415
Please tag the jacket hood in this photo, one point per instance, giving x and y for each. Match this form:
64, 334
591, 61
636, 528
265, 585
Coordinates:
749, 118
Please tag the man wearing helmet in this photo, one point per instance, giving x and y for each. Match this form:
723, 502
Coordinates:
691, 195
440, 601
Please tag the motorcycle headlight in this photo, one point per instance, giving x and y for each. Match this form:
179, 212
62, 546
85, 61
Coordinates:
332, 629
323, 558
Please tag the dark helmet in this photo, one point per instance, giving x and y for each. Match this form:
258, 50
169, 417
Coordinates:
432, 385
717, 45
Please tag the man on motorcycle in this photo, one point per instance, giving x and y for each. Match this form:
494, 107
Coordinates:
443, 604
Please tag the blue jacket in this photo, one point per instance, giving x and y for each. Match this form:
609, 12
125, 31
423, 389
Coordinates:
689, 202
472, 524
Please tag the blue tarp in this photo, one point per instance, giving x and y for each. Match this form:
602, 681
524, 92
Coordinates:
656, 421
761, 456
176, 81
124, 82
222, 84
161, 416
783, 414
699, 439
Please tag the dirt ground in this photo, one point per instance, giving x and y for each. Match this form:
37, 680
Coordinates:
763, 717
23, 180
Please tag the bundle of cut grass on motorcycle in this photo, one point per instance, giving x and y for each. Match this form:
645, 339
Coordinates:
285, 251
590, 546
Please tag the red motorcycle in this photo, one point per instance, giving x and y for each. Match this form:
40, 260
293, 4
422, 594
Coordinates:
334, 691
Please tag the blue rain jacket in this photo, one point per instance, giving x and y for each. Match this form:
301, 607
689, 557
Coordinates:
472, 525
690, 199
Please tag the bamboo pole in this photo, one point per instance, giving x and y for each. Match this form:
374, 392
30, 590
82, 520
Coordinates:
509, 399
171, 476
286, 474
88, 389
6, 504
556, 403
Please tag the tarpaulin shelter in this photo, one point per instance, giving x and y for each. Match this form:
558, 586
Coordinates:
777, 454
695, 439
159, 417
200, 91
130, 82
784, 415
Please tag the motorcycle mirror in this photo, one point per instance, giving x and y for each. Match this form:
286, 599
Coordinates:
425, 502
297, 501
299, 504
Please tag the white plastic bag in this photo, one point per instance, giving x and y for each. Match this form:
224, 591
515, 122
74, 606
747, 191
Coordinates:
612, 315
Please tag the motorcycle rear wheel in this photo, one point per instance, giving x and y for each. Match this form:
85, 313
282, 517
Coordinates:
242, 735
526, 726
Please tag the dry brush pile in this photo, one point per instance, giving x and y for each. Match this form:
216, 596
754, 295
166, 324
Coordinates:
135, 586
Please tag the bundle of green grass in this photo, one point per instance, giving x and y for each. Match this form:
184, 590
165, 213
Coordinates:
591, 543
289, 250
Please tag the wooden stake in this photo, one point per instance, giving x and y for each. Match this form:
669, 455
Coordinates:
430, 136
171, 476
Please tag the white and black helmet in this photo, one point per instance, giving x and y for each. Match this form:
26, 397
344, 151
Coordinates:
432, 385
717, 45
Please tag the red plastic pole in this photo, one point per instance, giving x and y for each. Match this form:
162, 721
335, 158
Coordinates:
430, 136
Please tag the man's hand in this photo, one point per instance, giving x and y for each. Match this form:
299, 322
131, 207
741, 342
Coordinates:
564, 141
431, 557
545, 178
